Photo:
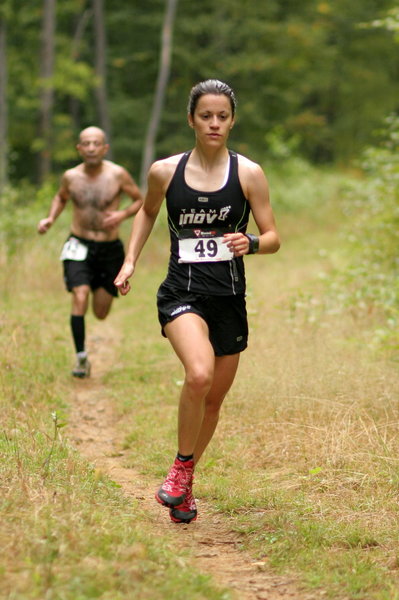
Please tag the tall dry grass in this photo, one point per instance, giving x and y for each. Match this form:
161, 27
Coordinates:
66, 530
305, 458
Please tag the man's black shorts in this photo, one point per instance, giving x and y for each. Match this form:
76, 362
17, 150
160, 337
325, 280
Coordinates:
226, 316
98, 269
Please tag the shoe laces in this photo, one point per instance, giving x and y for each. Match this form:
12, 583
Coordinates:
180, 477
189, 501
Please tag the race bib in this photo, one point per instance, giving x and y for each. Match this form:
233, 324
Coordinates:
74, 250
196, 246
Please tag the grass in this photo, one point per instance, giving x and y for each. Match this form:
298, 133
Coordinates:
68, 533
304, 463
66, 530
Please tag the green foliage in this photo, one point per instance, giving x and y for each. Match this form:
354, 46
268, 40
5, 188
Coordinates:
390, 22
297, 186
363, 276
307, 68
321, 73
18, 220
373, 274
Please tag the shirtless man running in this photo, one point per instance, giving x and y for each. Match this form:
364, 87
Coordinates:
93, 253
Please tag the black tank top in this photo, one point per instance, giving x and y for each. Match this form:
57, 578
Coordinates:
192, 213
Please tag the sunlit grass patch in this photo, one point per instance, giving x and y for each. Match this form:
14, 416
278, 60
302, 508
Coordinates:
69, 530
343, 556
80, 536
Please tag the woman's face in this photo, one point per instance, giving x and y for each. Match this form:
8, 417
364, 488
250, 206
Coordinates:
212, 119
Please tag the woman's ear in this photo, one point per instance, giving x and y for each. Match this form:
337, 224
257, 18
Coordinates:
190, 120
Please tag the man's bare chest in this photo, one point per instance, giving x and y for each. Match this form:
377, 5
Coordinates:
98, 194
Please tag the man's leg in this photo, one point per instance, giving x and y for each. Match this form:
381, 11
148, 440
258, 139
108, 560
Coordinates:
80, 301
102, 301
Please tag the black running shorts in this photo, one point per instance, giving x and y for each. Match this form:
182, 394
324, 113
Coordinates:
98, 269
226, 316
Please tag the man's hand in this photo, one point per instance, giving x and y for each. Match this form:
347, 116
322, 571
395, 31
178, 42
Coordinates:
113, 218
121, 280
44, 225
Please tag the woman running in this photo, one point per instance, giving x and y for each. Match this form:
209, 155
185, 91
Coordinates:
210, 192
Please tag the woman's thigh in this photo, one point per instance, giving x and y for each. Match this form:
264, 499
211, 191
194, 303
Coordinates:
189, 337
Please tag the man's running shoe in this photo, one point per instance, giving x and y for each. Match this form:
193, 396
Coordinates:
176, 485
186, 512
82, 366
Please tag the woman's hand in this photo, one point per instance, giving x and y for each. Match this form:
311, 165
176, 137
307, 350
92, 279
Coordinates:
238, 243
121, 280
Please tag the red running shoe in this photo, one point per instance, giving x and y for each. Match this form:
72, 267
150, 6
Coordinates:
186, 512
177, 484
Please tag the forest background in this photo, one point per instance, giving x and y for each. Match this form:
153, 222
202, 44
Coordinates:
317, 86
312, 78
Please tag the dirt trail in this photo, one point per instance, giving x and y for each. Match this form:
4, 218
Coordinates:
212, 546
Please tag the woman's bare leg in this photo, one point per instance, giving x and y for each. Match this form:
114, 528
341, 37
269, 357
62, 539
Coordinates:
225, 371
188, 335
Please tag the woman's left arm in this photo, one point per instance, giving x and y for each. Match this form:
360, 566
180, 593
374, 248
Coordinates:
256, 189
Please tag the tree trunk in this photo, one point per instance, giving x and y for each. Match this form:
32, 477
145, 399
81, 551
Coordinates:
47, 88
163, 76
100, 68
3, 106
81, 25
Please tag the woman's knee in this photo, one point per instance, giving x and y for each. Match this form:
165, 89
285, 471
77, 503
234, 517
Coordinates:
199, 379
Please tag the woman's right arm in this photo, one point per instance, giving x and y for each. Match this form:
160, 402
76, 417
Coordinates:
143, 224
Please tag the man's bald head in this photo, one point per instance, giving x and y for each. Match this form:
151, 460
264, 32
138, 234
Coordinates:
93, 131
92, 146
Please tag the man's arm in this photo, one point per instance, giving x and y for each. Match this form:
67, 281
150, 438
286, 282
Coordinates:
131, 189
57, 206
128, 186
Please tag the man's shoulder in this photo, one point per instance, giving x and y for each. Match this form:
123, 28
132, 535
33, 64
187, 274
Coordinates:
109, 164
111, 167
116, 172
78, 169
71, 174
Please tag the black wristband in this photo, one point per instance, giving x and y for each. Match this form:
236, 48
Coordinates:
253, 243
